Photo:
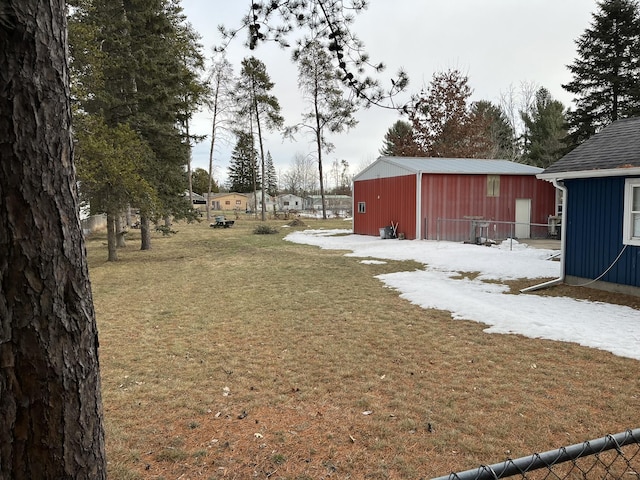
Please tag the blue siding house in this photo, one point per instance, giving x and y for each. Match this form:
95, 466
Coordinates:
600, 180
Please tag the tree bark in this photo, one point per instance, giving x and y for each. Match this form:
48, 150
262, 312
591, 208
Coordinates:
145, 233
318, 131
112, 255
51, 420
121, 231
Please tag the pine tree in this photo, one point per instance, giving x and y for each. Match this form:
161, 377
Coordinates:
330, 111
545, 131
271, 177
606, 71
329, 22
399, 142
498, 135
257, 104
107, 160
136, 63
243, 167
202, 180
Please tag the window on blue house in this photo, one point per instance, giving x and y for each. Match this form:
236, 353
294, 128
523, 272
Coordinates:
631, 233
362, 207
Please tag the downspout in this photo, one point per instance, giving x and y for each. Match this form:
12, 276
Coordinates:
419, 205
563, 242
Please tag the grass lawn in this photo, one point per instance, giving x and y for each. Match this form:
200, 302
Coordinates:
226, 354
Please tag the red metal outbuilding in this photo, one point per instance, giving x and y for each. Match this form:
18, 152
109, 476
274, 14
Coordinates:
452, 198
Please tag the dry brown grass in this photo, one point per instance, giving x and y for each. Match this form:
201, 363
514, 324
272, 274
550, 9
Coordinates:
231, 355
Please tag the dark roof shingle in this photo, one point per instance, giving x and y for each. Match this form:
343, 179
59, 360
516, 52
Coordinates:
615, 146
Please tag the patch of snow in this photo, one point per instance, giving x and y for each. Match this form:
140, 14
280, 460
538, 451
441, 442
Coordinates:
613, 328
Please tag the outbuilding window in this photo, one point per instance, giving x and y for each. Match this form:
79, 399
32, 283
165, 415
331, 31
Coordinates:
493, 185
631, 224
362, 208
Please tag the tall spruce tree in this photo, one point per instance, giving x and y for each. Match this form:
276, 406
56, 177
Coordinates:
135, 62
606, 70
545, 130
498, 135
399, 142
243, 167
271, 177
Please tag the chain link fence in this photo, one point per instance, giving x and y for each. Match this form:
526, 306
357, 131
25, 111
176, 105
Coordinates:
614, 457
479, 231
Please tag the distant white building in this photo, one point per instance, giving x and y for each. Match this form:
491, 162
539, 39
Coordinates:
255, 202
289, 201
337, 204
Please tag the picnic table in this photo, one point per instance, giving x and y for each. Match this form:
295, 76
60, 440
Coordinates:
221, 222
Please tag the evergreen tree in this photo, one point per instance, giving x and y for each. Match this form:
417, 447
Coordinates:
257, 104
399, 142
329, 110
107, 160
498, 136
201, 181
545, 131
271, 177
329, 22
135, 63
606, 71
243, 167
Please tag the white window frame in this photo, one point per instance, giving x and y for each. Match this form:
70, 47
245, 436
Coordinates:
628, 237
362, 207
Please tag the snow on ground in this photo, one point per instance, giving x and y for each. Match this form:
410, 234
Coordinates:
613, 328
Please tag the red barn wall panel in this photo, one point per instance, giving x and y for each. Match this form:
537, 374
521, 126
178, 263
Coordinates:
457, 197
446, 196
386, 200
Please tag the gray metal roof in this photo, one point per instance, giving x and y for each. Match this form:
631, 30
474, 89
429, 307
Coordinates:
617, 146
461, 166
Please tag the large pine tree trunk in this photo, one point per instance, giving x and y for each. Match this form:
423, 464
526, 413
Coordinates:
50, 403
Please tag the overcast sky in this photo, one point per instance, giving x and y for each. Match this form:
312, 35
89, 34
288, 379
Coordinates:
498, 44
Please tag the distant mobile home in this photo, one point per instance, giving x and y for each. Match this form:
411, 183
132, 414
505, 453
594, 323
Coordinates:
289, 201
432, 198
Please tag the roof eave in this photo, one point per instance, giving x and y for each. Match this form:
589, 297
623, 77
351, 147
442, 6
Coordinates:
610, 172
